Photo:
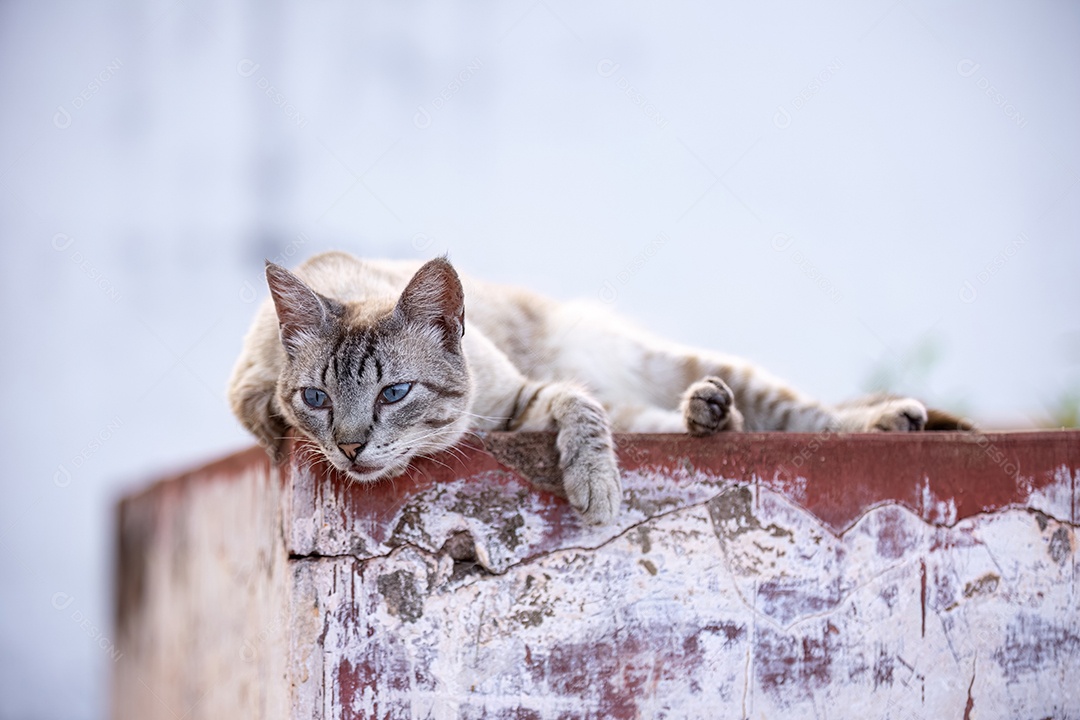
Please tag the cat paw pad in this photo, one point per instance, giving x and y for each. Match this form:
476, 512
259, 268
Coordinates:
709, 407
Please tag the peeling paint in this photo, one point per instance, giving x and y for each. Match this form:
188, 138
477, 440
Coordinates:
893, 577
403, 599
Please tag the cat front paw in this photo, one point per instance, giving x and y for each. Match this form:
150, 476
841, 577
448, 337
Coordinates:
593, 485
899, 415
708, 406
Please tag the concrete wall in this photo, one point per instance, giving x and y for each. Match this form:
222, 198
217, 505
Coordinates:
764, 576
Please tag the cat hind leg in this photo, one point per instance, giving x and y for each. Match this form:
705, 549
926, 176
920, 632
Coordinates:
882, 414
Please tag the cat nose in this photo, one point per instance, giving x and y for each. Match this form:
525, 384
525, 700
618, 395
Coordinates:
350, 449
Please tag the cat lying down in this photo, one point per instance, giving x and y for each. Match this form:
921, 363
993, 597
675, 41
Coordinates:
378, 362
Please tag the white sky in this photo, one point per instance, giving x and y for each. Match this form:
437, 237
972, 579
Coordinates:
831, 184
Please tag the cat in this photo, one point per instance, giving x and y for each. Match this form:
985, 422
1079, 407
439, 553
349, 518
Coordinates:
378, 362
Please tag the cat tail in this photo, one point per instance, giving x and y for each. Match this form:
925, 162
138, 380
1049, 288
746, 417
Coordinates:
940, 420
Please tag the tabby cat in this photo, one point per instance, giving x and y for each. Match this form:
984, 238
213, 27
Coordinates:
378, 362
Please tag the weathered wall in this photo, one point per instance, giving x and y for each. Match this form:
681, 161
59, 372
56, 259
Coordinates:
202, 596
748, 576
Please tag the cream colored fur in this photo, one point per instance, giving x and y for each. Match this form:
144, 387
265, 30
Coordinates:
537, 364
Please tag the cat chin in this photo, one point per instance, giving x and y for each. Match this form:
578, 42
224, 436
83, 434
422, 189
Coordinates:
363, 477
375, 475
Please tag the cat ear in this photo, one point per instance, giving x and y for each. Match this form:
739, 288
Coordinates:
434, 296
302, 313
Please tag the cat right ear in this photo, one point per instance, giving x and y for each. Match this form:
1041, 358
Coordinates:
434, 296
302, 313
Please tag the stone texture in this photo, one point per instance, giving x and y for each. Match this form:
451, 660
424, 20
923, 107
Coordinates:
763, 576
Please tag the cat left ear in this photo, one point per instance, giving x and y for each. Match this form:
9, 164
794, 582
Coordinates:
302, 313
435, 296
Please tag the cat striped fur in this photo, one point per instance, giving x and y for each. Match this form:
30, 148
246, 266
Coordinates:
378, 362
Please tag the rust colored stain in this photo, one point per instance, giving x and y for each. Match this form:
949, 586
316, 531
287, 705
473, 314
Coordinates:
791, 668
748, 575
1031, 643
835, 476
922, 593
942, 477
838, 476
350, 681
970, 704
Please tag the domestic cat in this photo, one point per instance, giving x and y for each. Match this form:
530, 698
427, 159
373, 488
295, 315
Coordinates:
378, 362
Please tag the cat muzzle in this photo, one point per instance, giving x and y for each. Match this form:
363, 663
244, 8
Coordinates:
351, 450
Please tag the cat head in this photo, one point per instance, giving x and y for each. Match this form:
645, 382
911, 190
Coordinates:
373, 393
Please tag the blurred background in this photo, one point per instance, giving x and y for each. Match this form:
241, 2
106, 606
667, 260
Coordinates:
855, 195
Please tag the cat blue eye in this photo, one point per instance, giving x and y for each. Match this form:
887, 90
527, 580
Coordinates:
394, 393
315, 398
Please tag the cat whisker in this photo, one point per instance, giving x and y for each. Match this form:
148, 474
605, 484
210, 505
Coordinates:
457, 454
308, 451
457, 451
434, 434
435, 459
478, 443
474, 435
490, 418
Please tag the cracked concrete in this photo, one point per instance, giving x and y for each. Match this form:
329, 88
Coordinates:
727, 587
